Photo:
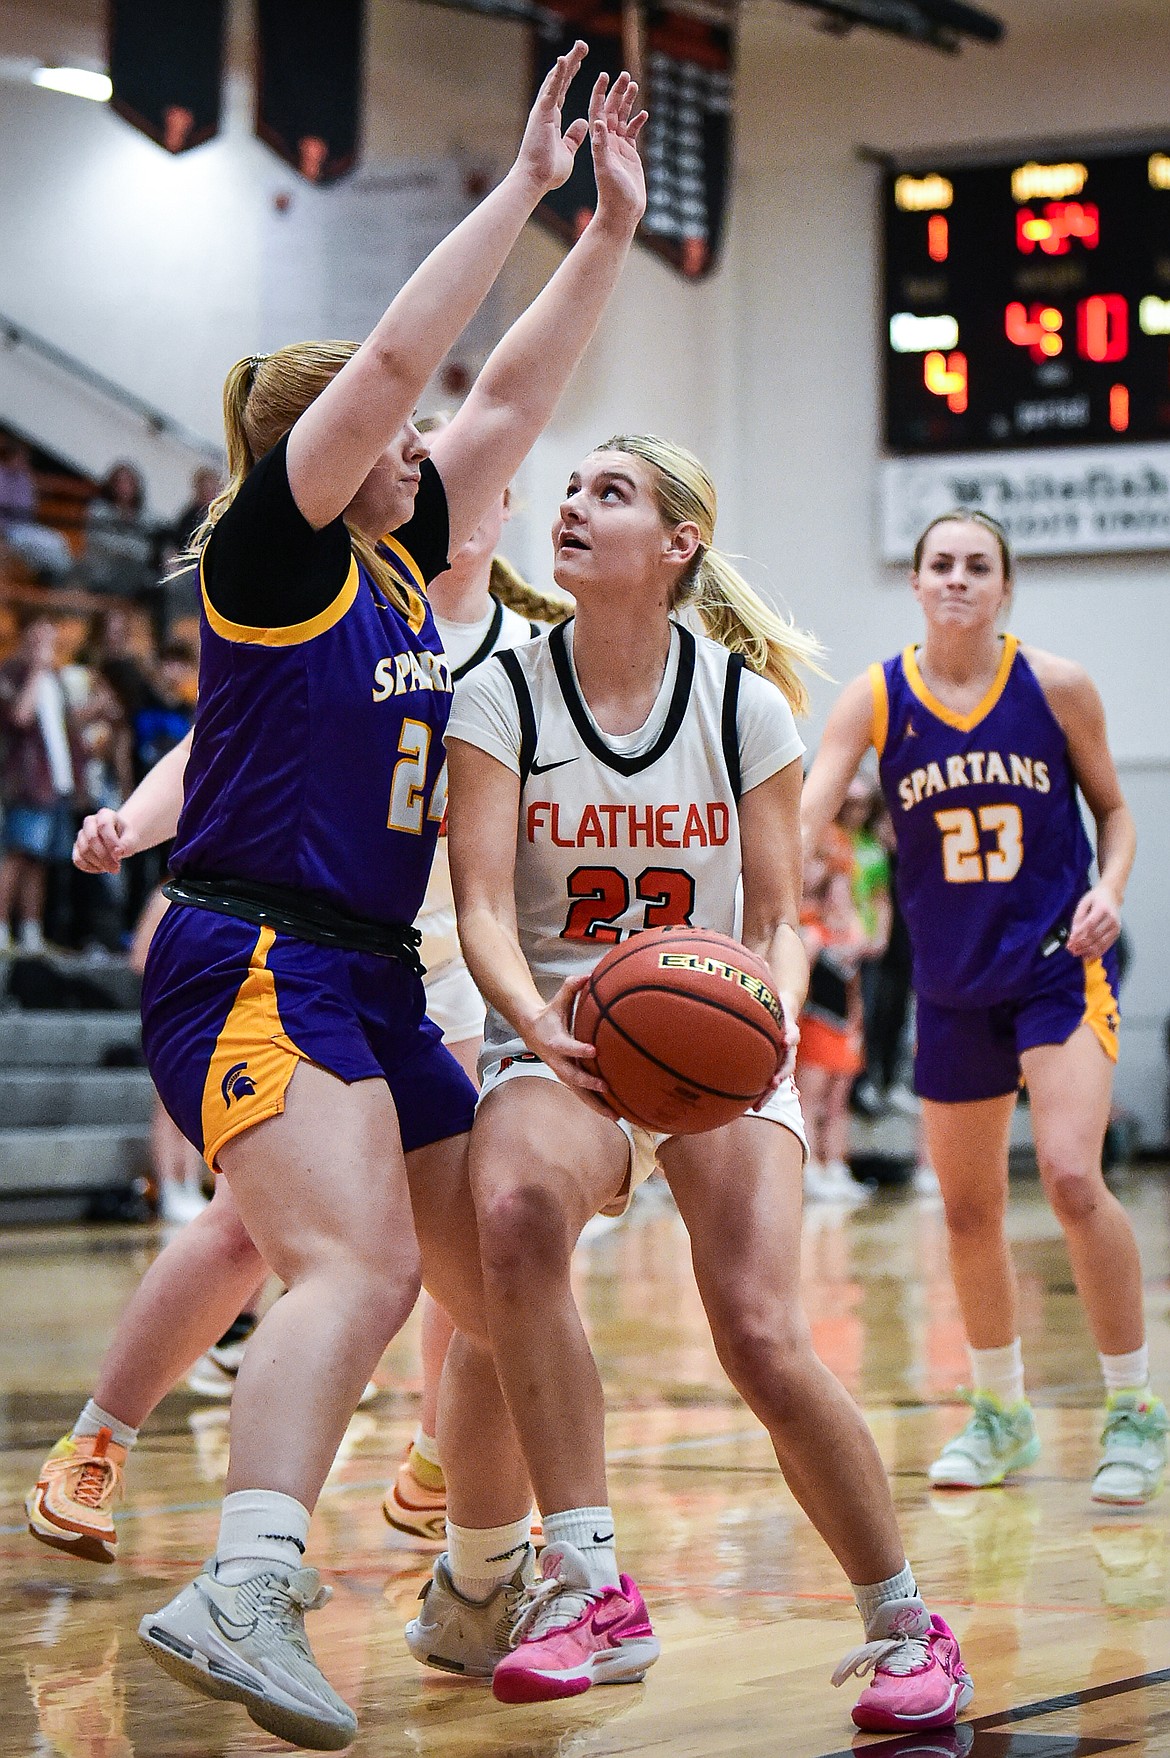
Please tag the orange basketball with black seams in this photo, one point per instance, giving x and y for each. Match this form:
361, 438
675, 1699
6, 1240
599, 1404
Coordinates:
687, 1028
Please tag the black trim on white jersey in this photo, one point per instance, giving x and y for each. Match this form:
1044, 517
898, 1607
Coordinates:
486, 647
579, 714
524, 709
730, 724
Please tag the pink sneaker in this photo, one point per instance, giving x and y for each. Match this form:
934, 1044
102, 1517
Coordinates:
570, 1635
919, 1680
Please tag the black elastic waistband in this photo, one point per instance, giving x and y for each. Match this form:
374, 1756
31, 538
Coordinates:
306, 918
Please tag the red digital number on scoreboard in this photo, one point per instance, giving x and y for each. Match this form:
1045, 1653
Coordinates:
1102, 328
1036, 328
1053, 230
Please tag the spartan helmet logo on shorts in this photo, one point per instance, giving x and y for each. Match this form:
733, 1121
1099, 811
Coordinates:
237, 1083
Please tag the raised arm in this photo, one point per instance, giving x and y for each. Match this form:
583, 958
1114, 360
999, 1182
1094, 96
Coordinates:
149, 816
514, 396
483, 806
769, 830
339, 438
1073, 698
847, 736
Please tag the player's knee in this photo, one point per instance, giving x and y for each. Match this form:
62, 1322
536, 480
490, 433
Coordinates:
384, 1294
520, 1228
233, 1242
762, 1352
1072, 1190
974, 1217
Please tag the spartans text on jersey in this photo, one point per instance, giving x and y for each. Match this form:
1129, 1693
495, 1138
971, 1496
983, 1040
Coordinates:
399, 673
973, 768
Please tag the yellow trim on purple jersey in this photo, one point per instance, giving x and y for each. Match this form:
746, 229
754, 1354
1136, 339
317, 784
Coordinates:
960, 722
1101, 1015
294, 634
253, 1060
416, 608
881, 707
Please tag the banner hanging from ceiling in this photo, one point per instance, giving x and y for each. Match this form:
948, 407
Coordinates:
166, 68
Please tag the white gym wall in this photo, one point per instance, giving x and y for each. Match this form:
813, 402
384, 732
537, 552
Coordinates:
147, 268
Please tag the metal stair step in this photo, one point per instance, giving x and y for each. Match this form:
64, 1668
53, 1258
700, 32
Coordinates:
30, 1039
41, 1097
37, 1162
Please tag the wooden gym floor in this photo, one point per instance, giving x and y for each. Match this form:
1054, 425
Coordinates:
1062, 1608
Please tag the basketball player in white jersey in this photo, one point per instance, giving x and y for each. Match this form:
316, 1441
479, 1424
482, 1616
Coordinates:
619, 774
481, 606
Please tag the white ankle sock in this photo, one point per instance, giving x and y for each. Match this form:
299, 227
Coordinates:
1123, 1373
480, 1557
427, 1447
1000, 1371
93, 1418
259, 1529
870, 1600
589, 1530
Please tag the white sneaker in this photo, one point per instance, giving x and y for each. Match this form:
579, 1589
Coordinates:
999, 1439
1134, 1460
30, 939
246, 1644
903, 1101
467, 1636
209, 1379
214, 1374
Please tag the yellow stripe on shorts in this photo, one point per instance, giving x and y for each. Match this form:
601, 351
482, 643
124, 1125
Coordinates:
253, 1059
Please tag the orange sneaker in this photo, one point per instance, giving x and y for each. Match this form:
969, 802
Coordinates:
420, 1511
413, 1508
70, 1506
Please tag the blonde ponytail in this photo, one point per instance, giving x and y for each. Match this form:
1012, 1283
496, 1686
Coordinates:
514, 593
736, 616
263, 396
731, 611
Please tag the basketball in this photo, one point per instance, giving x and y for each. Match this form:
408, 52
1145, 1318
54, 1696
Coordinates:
687, 1028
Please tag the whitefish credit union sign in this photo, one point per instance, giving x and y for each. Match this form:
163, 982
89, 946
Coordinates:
1085, 500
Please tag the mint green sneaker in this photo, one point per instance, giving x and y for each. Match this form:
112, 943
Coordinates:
998, 1439
1134, 1460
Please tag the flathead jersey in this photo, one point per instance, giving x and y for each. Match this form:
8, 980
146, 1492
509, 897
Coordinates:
465, 647
992, 852
318, 758
617, 834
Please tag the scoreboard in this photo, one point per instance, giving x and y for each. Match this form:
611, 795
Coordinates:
1027, 302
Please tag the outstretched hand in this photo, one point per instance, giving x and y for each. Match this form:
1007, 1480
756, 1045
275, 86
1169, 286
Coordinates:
614, 127
546, 155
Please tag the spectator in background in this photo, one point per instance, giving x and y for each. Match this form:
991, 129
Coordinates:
181, 584
829, 1056
120, 546
156, 691
41, 548
205, 485
861, 818
41, 771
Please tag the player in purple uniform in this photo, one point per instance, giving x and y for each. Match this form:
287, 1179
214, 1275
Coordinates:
983, 746
283, 1003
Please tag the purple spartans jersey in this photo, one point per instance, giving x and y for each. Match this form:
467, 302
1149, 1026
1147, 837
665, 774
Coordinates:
318, 761
992, 853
